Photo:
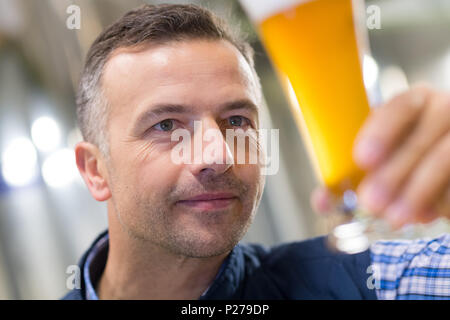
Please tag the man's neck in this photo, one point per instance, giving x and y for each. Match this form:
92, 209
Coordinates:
142, 270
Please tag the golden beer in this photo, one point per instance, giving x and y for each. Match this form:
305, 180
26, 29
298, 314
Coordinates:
313, 44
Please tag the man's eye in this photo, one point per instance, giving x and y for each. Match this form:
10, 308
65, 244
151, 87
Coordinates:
165, 125
238, 121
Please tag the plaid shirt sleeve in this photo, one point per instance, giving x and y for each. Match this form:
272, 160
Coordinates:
412, 269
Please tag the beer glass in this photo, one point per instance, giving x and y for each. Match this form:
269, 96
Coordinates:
317, 48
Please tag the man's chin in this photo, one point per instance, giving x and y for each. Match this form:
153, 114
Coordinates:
205, 243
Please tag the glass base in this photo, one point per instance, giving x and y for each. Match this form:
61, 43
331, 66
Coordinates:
358, 231
349, 237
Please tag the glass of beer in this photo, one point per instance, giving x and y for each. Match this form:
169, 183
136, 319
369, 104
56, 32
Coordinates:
317, 48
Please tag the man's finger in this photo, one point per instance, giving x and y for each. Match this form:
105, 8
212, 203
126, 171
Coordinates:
322, 201
425, 186
387, 125
426, 216
442, 208
383, 184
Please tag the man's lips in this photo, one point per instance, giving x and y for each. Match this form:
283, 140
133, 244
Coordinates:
209, 201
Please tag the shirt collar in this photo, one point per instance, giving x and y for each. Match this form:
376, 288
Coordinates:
96, 261
94, 266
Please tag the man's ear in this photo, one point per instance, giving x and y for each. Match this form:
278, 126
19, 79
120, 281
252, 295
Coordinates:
91, 165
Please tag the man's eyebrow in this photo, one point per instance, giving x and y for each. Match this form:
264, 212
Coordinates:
168, 108
240, 104
157, 111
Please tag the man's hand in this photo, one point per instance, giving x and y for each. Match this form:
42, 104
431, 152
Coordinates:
404, 146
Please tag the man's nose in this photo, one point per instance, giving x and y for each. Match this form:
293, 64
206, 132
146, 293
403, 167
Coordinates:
211, 153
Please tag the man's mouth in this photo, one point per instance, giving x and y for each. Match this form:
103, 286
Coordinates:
209, 201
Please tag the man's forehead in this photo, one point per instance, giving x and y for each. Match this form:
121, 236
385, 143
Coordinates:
199, 73
177, 60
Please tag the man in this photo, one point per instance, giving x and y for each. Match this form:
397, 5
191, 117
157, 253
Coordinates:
174, 228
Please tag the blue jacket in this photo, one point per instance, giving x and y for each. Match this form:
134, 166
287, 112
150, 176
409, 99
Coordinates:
298, 270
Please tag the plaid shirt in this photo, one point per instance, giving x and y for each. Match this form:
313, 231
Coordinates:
401, 269
412, 269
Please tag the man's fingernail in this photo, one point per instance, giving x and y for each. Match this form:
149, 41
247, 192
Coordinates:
374, 197
368, 152
418, 99
398, 213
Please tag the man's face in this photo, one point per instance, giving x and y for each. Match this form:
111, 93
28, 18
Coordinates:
153, 92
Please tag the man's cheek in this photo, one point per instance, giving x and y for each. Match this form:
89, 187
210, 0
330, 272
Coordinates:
248, 173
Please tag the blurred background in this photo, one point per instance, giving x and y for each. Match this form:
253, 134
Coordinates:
47, 216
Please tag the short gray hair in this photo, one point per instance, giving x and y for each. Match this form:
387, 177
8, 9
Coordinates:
156, 24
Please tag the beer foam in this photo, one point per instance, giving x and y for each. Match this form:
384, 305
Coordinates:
259, 10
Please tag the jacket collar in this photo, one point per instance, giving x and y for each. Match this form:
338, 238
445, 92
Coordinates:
226, 283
